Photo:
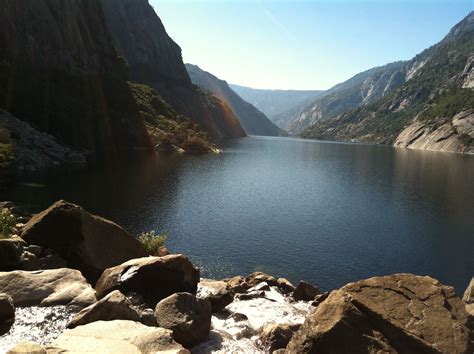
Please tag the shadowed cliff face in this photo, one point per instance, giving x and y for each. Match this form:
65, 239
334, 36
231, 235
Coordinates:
155, 59
60, 72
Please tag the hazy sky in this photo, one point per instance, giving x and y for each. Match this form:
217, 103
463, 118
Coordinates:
304, 44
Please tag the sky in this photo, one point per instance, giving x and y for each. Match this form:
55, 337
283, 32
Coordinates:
304, 44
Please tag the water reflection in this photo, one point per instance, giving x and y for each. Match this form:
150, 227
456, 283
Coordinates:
326, 212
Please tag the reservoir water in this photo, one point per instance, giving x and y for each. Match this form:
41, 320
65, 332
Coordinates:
329, 213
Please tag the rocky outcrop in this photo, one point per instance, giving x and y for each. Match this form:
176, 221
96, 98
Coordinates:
276, 336
115, 306
153, 278
7, 313
117, 337
88, 242
187, 316
47, 288
60, 72
217, 292
155, 59
305, 292
34, 150
252, 120
396, 313
450, 135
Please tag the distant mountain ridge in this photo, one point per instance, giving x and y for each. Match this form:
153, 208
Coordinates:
278, 105
433, 109
360, 90
252, 120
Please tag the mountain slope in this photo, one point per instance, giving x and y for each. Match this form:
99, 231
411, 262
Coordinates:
362, 89
252, 120
433, 110
278, 105
155, 59
60, 72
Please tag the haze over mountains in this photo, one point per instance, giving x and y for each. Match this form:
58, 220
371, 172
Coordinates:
278, 105
252, 120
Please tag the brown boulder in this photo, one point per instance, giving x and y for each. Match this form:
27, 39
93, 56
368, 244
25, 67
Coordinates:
115, 306
187, 316
152, 278
276, 336
305, 292
87, 242
400, 313
7, 313
11, 250
217, 292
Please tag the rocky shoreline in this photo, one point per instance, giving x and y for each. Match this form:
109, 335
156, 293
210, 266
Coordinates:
71, 281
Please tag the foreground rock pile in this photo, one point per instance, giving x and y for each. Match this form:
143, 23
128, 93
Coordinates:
115, 299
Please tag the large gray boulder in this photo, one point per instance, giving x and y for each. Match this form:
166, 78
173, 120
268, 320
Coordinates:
117, 337
400, 313
7, 313
47, 288
115, 306
87, 242
152, 278
187, 316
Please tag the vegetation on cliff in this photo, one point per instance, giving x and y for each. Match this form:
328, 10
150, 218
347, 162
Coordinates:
165, 126
436, 89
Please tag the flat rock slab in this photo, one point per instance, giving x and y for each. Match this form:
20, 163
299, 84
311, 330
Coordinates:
117, 337
47, 288
396, 313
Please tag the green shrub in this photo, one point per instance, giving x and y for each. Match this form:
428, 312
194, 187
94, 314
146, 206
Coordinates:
152, 242
7, 224
6, 155
464, 139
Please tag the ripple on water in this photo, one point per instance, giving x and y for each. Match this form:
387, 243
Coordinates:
41, 325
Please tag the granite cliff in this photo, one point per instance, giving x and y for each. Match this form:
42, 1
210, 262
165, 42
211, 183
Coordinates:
252, 120
155, 60
431, 110
60, 72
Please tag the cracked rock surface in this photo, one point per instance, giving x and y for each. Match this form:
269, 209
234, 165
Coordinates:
396, 313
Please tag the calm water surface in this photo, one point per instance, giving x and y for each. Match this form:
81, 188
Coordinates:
329, 213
